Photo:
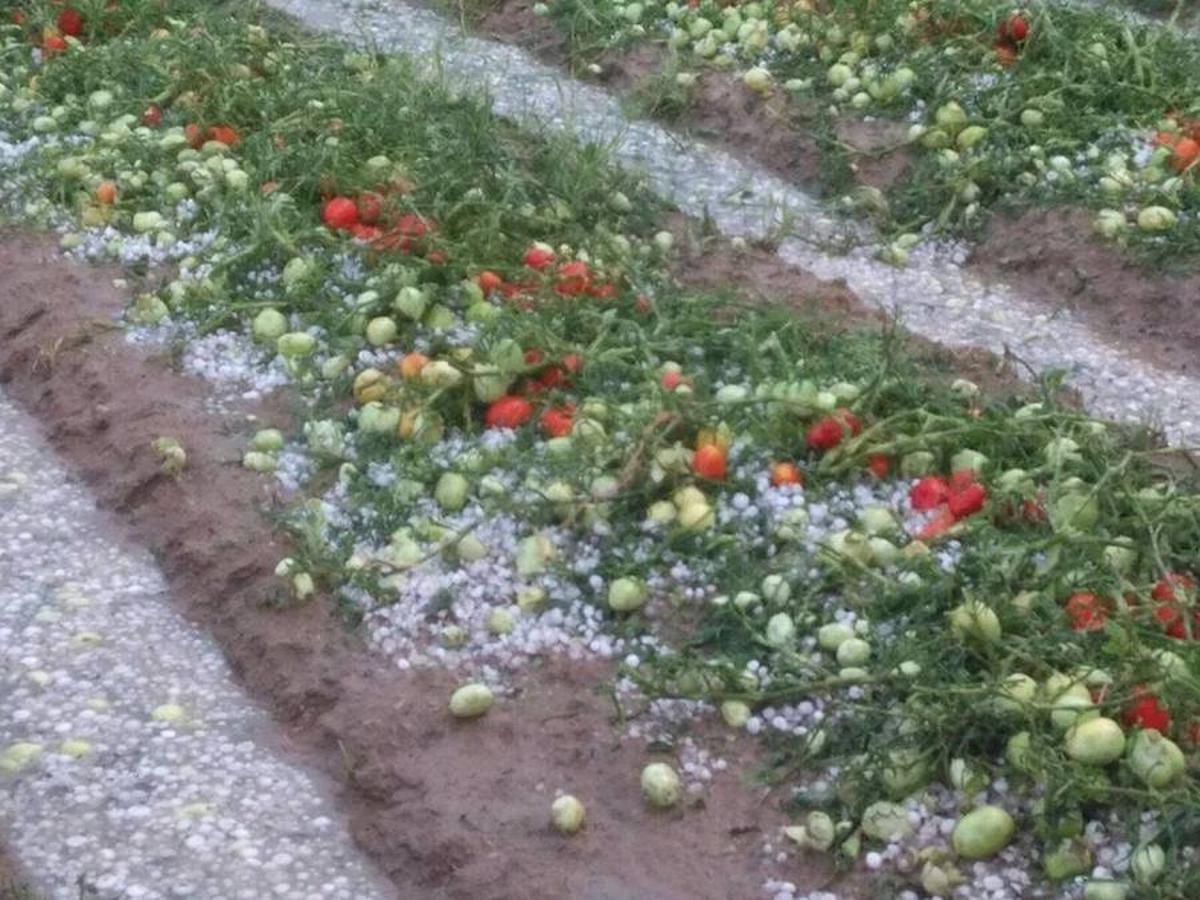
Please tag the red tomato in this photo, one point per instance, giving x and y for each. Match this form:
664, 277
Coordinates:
573, 278
370, 207
826, 433
938, 524
557, 421
671, 379
538, 256
1086, 611
226, 134
70, 22
572, 362
194, 135
508, 411
152, 116
709, 462
1016, 28
878, 464
54, 43
340, 214
968, 501
1146, 711
929, 493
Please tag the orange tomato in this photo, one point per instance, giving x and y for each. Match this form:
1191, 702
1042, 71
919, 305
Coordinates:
709, 462
785, 473
105, 193
1185, 154
488, 281
411, 364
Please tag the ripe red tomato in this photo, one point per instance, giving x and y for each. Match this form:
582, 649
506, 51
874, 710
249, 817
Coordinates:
340, 213
826, 433
879, 464
370, 207
557, 421
1146, 711
152, 116
1086, 611
538, 256
508, 411
967, 501
226, 134
70, 22
929, 493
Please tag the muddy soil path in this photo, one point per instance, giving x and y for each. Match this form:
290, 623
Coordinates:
447, 809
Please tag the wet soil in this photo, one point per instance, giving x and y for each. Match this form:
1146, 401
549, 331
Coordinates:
1052, 255
446, 809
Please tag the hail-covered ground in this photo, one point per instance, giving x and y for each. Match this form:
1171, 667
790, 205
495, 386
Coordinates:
131, 765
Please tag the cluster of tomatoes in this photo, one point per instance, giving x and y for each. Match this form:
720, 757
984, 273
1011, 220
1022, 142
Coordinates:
1011, 34
1184, 142
53, 38
515, 409
951, 499
1172, 605
373, 218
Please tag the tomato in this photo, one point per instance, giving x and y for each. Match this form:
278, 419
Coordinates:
1185, 154
54, 43
1086, 611
1171, 593
968, 501
929, 493
152, 116
340, 214
226, 134
573, 278
1146, 711
671, 379
709, 462
508, 411
938, 524
572, 362
411, 364
70, 22
361, 231
786, 473
878, 464
538, 256
1016, 28
557, 421
105, 193
488, 282
370, 207
826, 433
193, 134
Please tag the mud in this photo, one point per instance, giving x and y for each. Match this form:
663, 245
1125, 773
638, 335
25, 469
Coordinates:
1053, 255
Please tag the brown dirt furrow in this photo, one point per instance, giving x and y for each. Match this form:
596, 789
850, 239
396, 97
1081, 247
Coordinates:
447, 809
